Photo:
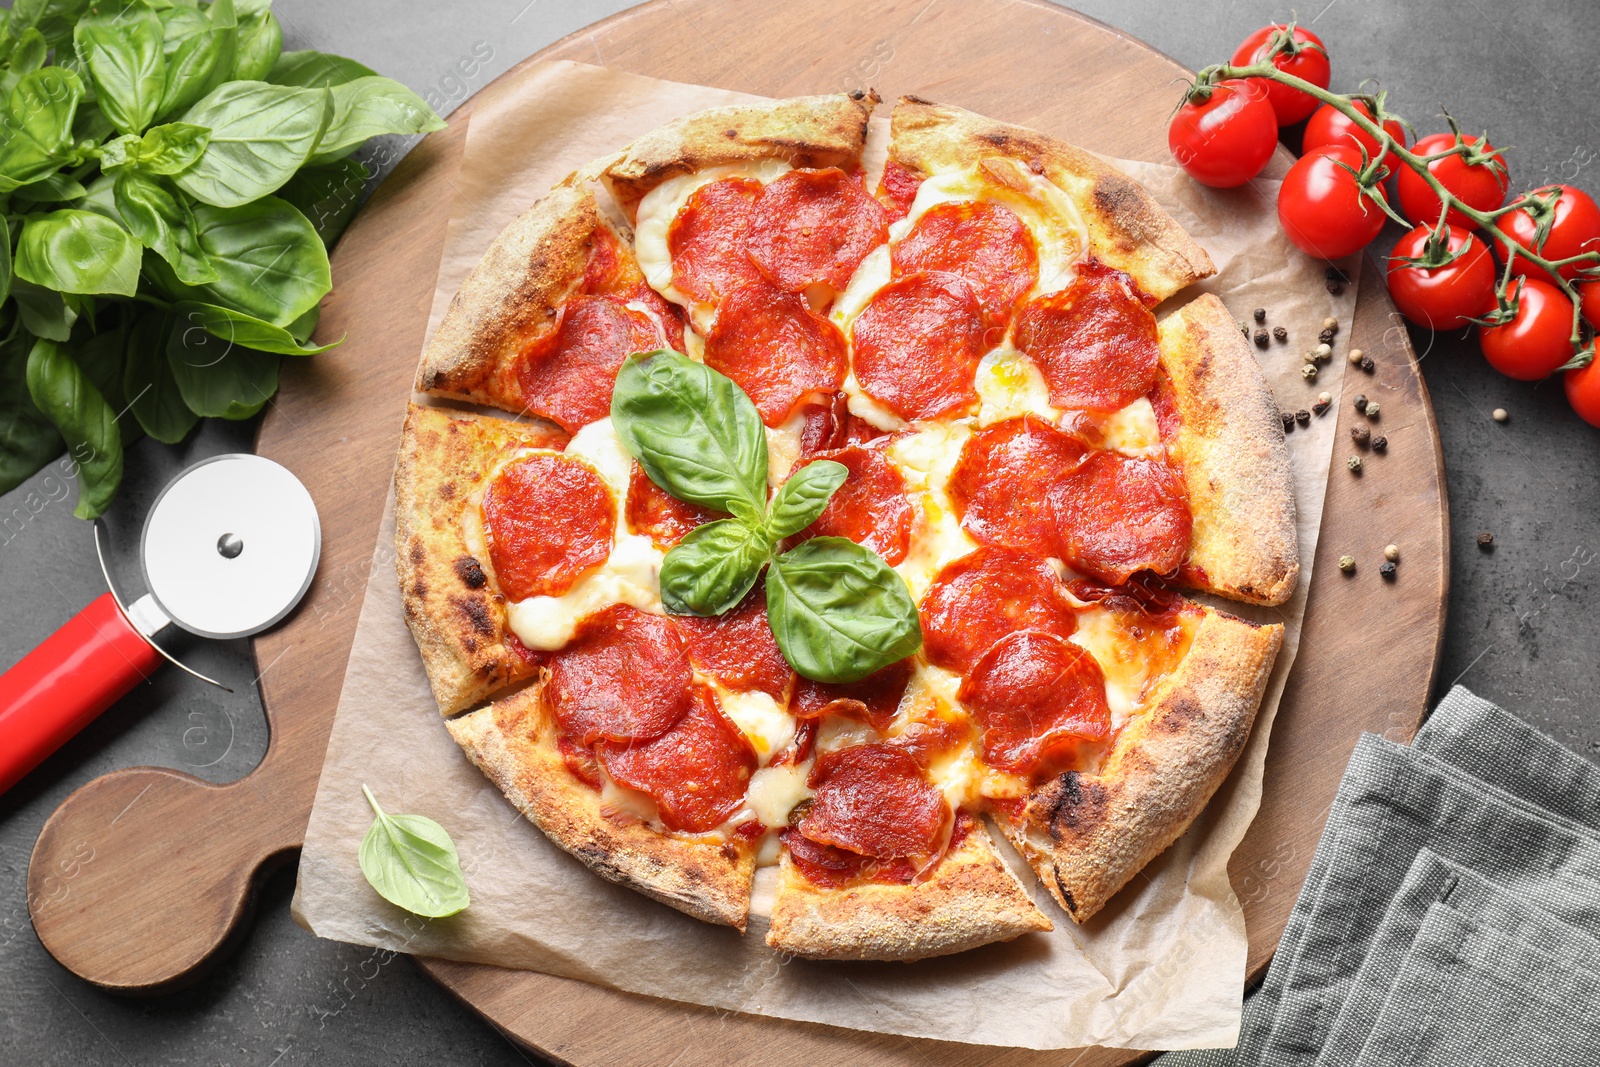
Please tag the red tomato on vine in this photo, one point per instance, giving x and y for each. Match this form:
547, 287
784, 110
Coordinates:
1330, 126
1479, 180
1225, 139
1538, 337
1589, 294
1322, 207
1448, 296
1583, 392
1574, 221
1306, 59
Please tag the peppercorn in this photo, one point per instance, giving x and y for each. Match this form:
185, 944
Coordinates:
1309, 372
1260, 314
1387, 568
1288, 420
1354, 463
1303, 417
1391, 552
1367, 364
1326, 337
1485, 539
1322, 353
1280, 334
1380, 443
1335, 288
1360, 435
1243, 328
1361, 402
1331, 324
1320, 406
1372, 409
1355, 355
1334, 274
1261, 338
1500, 415
1347, 564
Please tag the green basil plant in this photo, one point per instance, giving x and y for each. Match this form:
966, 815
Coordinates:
171, 182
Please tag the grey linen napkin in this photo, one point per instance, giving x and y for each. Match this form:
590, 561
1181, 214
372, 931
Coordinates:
1393, 803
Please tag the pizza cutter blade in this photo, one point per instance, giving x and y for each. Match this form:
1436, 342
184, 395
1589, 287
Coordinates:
228, 549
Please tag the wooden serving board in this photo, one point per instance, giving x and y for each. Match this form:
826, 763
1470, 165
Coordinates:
175, 858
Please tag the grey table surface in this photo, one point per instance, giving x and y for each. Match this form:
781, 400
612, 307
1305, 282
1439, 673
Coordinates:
1524, 622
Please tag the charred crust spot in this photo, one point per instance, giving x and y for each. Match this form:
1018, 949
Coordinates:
857, 94
470, 571
730, 134
1078, 806
729, 853
418, 552
1180, 714
470, 644
913, 99
447, 491
476, 611
419, 589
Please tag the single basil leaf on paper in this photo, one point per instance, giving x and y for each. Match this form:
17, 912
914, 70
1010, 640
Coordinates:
260, 135
259, 43
316, 70
199, 49
162, 222
694, 432
63, 391
76, 251
838, 611
147, 382
28, 439
270, 263
44, 312
412, 863
38, 120
328, 195
713, 567
801, 499
122, 53
238, 328
217, 379
370, 107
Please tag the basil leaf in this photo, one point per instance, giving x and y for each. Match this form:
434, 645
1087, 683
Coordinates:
171, 148
260, 41
199, 49
5, 262
268, 258
838, 611
412, 863
302, 328
78, 252
240, 329
147, 382
51, 189
328, 195
801, 499
52, 18
217, 379
260, 135
693, 431
316, 70
86, 422
38, 121
160, 221
28, 439
123, 56
29, 53
44, 312
367, 108
713, 567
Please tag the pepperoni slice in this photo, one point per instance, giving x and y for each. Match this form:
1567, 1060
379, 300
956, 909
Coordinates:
1136, 597
823, 865
900, 184
986, 595
580, 761
549, 520
624, 676
697, 772
798, 750
737, 648
874, 800
707, 239
984, 243
568, 375
1094, 342
1035, 697
873, 700
926, 739
871, 507
815, 226
775, 348
1165, 402
917, 345
653, 511
1120, 514
1002, 483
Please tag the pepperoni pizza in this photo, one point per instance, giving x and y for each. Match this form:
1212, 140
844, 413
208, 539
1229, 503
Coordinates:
968, 331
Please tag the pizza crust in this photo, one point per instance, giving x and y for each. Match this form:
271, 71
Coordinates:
1087, 835
513, 742
972, 899
806, 131
1235, 463
456, 617
1127, 229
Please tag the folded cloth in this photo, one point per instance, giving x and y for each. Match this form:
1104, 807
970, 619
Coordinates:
1467, 993
1431, 884
1392, 803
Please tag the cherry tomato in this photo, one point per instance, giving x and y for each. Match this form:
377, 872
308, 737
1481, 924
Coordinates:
1321, 207
1478, 185
1537, 340
1442, 297
1574, 229
1589, 295
1329, 126
1309, 63
1583, 392
1226, 139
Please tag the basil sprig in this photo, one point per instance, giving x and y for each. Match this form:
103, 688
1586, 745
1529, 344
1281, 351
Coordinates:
838, 611
411, 862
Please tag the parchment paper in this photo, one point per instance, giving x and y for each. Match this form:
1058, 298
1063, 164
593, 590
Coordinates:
1161, 967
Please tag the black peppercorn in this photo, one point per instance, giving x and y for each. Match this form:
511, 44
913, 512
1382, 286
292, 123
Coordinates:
1334, 274
1320, 406
1261, 338
1260, 314
1326, 337
1288, 420
1361, 403
1280, 334
1380, 443
1485, 539
1367, 364
1387, 569
1303, 417
1335, 288
1360, 435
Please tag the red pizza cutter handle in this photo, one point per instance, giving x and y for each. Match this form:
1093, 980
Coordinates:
59, 687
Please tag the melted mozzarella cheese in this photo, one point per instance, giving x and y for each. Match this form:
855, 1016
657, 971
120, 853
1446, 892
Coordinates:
598, 445
620, 800
1010, 386
1125, 665
871, 275
1133, 430
838, 732
759, 717
774, 792
783, 447
864, 407
925, 460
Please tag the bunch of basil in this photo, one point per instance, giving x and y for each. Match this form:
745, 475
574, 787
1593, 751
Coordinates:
171, 184
838, 611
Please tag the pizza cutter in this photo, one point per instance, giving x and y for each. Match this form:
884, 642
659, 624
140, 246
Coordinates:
228, 550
